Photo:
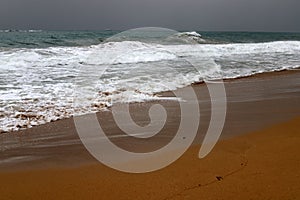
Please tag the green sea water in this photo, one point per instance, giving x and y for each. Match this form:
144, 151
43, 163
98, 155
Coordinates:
44, 39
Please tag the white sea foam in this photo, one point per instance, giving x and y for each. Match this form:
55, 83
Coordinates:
37, 85
187, 38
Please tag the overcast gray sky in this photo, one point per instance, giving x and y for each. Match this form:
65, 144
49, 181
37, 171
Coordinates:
211, 15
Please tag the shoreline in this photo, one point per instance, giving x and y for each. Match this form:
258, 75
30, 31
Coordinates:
253, 103
166, 93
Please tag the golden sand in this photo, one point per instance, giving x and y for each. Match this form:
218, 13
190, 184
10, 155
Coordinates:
260, 165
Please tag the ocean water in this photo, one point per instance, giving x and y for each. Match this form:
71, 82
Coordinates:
42, 71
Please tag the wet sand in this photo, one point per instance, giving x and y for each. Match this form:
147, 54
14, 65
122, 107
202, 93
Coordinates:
257, 157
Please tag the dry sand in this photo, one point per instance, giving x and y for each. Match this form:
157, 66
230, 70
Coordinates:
261, 165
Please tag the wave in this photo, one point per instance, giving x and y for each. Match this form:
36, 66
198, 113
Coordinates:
187, 38
38, 85
20, 31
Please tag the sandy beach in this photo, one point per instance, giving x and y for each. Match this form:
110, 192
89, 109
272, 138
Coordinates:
256, 158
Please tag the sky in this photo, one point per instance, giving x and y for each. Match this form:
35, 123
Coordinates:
203, 15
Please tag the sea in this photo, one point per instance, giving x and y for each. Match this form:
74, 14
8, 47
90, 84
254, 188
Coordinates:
51, 75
